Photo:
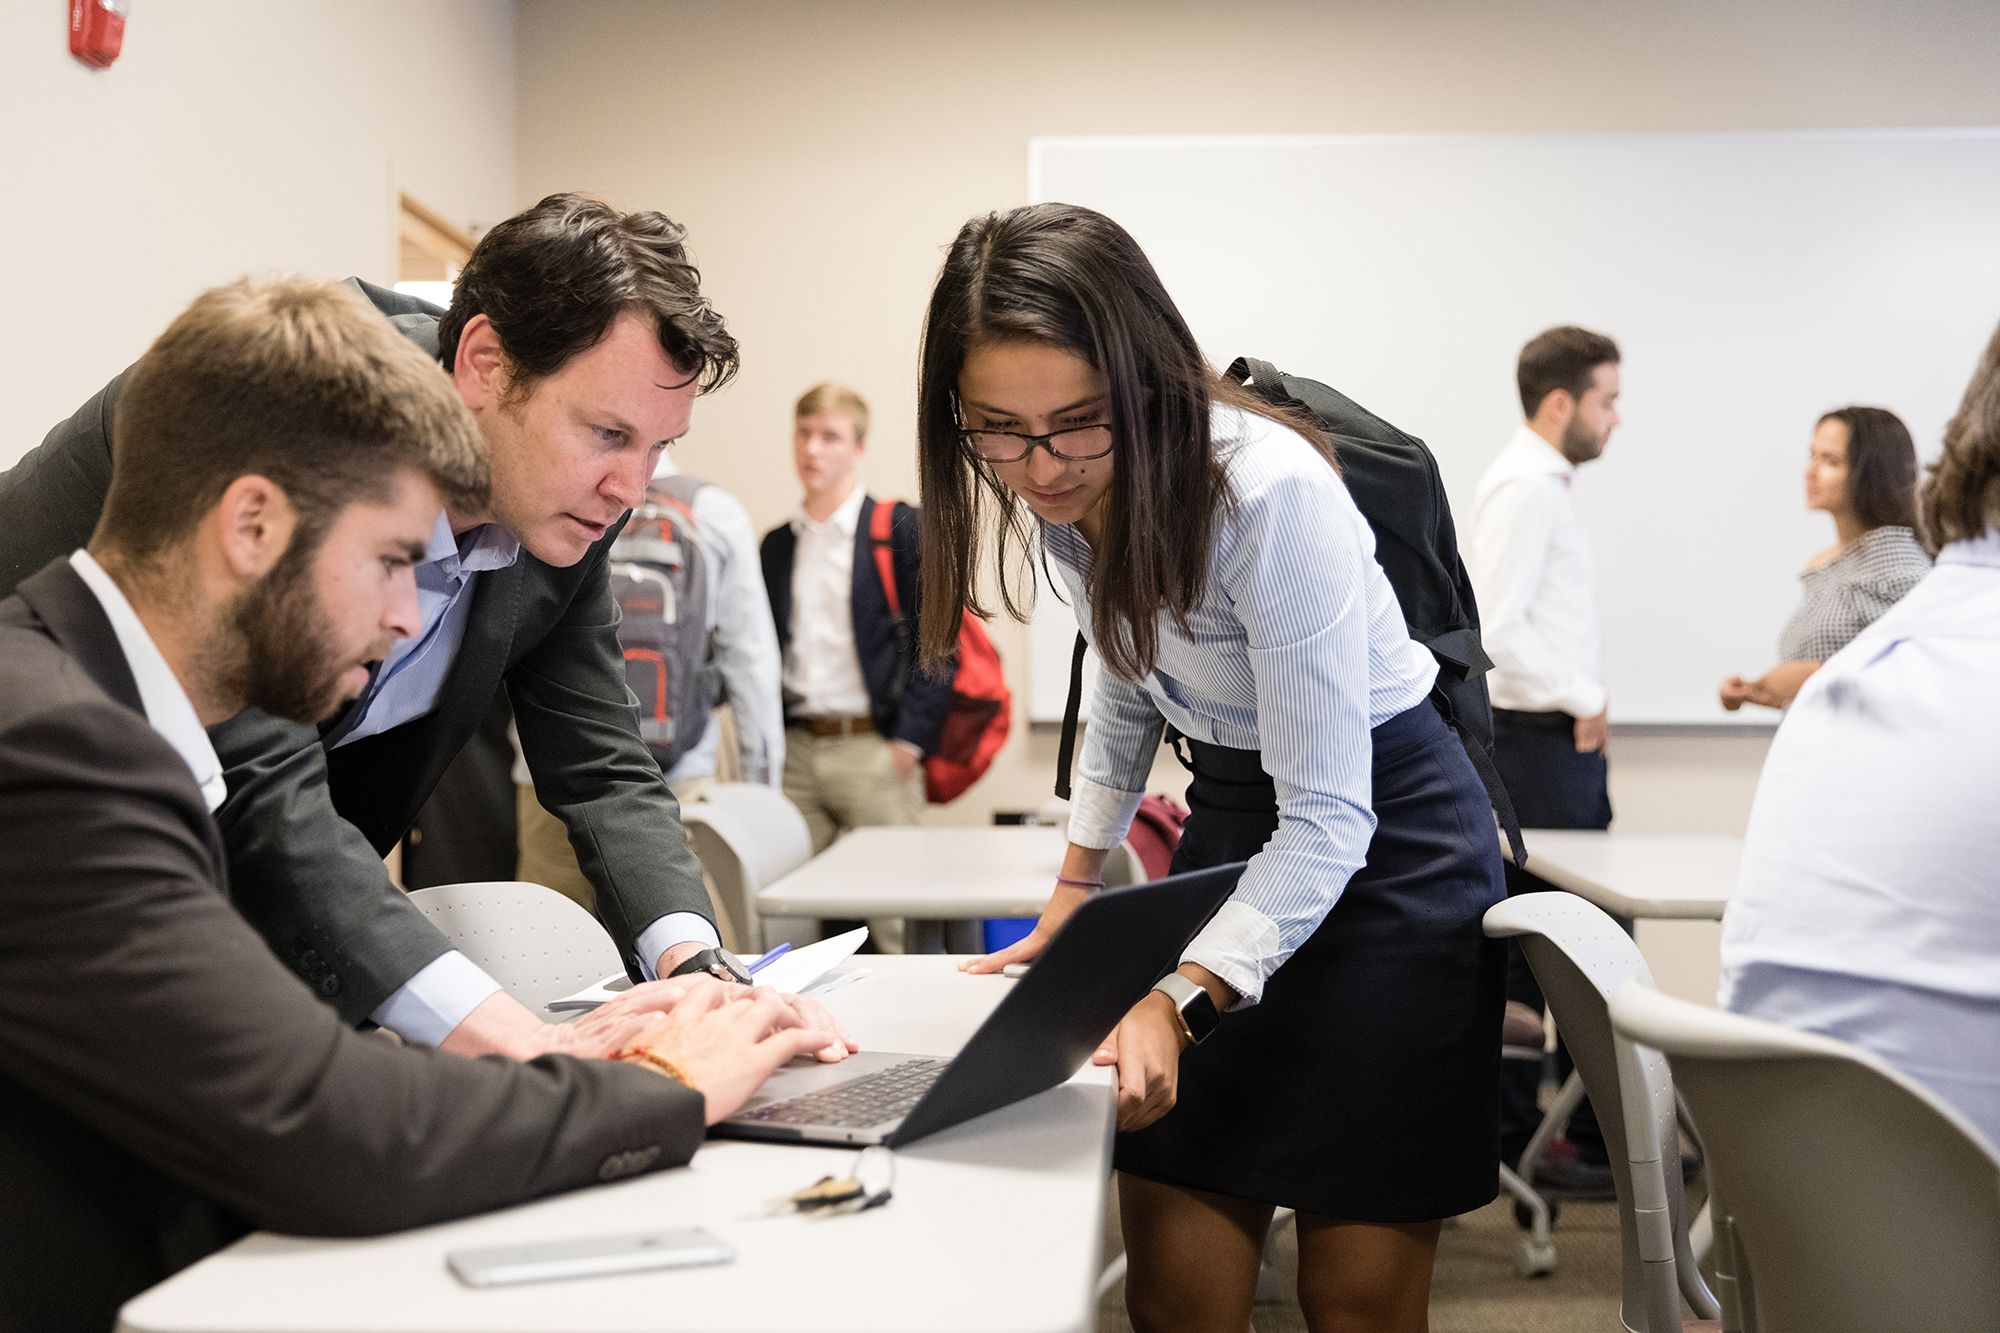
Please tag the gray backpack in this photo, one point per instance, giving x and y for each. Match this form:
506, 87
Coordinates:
659, 574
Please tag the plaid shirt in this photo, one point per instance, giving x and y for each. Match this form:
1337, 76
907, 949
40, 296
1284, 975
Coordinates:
1844, 596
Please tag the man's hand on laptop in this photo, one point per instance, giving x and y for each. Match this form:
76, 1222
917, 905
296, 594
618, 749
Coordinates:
724, 1040
813, 1014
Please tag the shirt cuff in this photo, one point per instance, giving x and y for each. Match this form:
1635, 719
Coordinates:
428, 1006
671, 929
1240, 945
1100, 816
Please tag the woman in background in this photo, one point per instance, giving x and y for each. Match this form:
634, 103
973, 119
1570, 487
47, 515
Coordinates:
1862, 470
1216, 561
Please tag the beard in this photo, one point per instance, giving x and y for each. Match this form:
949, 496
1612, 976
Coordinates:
288, 662
1579, 445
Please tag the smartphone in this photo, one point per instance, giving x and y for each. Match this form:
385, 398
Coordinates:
587, 1256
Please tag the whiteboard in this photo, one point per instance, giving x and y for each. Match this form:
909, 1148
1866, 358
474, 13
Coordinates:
1752, 281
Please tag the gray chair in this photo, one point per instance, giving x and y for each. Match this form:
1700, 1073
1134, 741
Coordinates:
1858, 1199
746, 835
536, 943
1580, 956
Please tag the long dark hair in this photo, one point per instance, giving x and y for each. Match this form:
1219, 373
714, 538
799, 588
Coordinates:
1881, 466
1067, 277
1962, 492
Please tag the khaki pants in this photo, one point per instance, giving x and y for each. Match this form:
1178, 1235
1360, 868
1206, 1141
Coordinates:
847, 782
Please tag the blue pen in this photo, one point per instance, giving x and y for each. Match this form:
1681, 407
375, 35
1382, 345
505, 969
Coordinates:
769, 958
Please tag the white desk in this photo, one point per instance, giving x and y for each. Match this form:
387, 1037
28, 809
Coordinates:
995, 1226
1652, 876
931, 875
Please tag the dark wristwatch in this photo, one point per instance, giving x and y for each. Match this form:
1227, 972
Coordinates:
718, 963
1197, 1012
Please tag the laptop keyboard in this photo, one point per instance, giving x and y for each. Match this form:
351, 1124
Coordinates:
858, 1104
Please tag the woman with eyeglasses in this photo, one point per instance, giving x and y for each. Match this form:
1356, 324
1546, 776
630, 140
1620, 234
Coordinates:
1330, 1040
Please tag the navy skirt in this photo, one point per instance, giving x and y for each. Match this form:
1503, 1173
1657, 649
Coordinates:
1365, 1085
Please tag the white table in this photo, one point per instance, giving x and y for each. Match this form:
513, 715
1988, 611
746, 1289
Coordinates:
1650, 876
995, 1226
930, 875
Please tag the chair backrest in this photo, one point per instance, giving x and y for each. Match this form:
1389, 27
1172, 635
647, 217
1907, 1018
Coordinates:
536, 943
1580, 956
746, 835
1860, 1200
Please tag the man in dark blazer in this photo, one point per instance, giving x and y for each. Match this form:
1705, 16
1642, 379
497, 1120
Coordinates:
579, 338
165, 1082
859, 718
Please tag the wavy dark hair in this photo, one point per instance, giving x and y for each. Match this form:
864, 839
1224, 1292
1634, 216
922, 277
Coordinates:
553, 277
1067, 277
1881, 466
1961, 493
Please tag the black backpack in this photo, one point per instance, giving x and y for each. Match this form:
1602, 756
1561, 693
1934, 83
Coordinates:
1396, 485
659, 574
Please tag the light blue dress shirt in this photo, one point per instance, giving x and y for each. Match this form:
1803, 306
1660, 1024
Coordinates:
1298, 649
437, 999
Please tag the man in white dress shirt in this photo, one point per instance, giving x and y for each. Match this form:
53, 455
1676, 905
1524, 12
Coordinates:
859, 720
1868, 909
1537, 589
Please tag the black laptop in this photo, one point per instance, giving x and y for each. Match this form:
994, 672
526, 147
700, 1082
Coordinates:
1099, 965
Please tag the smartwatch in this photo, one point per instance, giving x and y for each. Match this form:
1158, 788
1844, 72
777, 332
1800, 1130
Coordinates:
1197, 1012
718, 963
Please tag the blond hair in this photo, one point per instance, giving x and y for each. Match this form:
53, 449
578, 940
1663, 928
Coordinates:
828, 397
293, 379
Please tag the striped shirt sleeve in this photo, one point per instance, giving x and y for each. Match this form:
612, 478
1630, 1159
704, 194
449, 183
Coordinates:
1119, 743
1294, 576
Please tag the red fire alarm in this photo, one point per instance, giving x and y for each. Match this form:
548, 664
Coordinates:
97, 30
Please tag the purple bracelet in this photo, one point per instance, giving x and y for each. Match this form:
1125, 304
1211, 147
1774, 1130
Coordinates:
1080, 883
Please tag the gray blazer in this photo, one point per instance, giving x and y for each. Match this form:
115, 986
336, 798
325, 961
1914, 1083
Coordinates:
306, 826
164, 1081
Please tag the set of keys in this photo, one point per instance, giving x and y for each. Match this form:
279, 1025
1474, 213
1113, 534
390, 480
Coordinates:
870, 1185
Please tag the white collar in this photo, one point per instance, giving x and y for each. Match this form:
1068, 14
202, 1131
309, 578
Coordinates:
1529, 452
846, 518
1981, 550
167, 706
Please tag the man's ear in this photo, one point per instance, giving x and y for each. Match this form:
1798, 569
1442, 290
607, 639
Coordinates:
253, 524
481, 370
1558, 407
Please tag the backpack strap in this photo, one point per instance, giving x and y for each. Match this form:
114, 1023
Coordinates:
1489, 777
879, 525
1066, 750
1261, 376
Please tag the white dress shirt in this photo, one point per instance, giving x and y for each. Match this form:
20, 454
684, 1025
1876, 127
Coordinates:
168, 709
822, 675
1536, 583
1868, 907
1297, 650
746, 640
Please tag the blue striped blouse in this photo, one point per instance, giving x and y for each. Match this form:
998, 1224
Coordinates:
1297, 650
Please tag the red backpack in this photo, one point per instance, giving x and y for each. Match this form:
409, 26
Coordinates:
976, 726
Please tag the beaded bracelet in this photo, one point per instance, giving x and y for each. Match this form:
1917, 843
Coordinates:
640, 1055
1080, 883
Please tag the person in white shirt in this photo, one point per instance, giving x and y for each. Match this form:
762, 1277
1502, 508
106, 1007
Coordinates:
1868, 908
746, 656
1537, 589
859, 718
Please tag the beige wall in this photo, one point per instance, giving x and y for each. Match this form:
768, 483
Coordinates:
228, 138
823, 154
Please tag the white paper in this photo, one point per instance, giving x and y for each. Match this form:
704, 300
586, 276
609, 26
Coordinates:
800, 968
791, 972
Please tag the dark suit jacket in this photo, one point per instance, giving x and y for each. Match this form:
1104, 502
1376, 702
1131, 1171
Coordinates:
164, 1081
907, 705
306, 825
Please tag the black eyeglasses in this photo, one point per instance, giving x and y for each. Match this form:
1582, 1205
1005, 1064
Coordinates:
1077, 444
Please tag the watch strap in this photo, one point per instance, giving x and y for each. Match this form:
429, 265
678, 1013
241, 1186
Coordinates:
1192, 1006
